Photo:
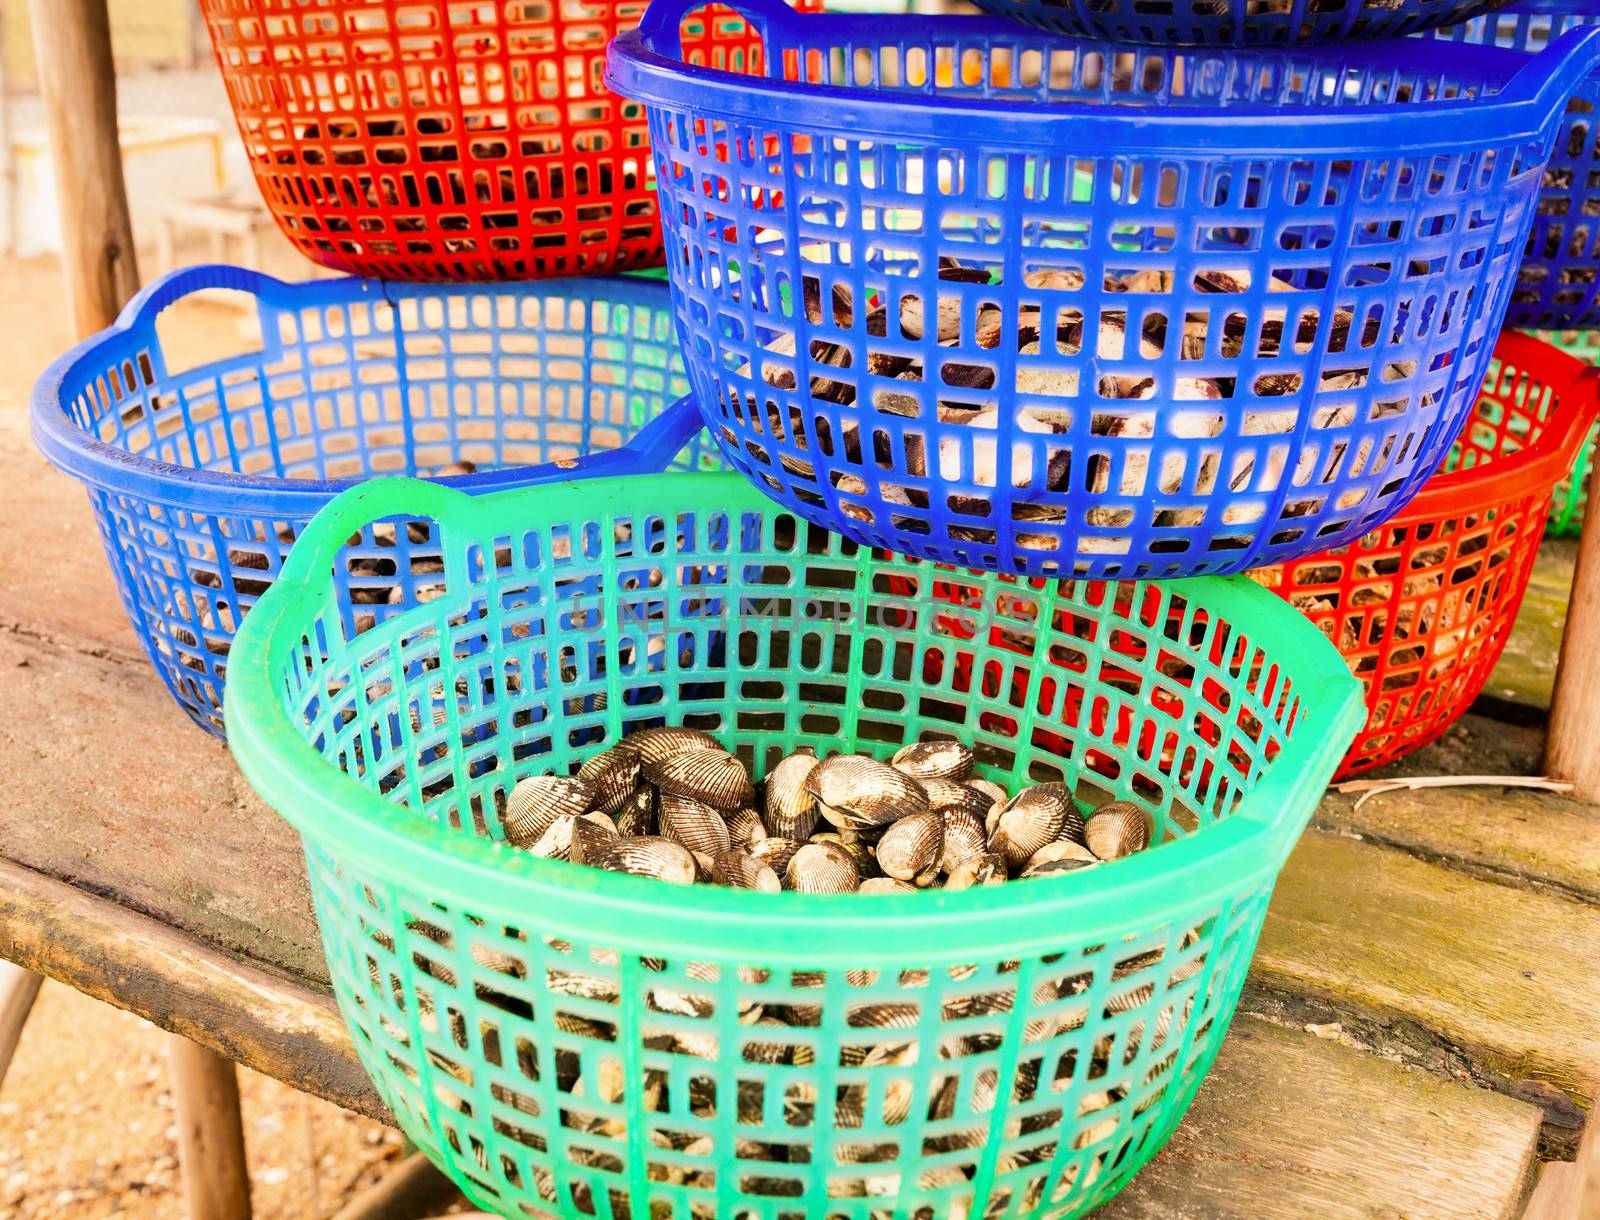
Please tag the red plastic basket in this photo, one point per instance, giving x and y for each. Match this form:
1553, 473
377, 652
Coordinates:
444, 139
1421, 606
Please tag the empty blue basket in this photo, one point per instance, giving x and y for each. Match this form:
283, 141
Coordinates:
994, 297
201, 478
1558, 284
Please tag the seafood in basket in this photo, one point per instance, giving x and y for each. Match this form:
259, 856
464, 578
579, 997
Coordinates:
574, 1039
1140, 312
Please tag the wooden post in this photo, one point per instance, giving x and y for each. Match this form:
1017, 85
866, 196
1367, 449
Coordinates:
1572, 748
72, 43
18, 987
77, 77
205, 1090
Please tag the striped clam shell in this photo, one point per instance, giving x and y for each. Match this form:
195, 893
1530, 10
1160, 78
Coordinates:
821, 868
538, 800
745, 828
1028, 821
1059, 856
556, 841
858, 848
660, 743
856, 792
743, 871
775, 852
988, 788
910, 850
964, 838
947, 794
593, 835
638, 815
652, 857
885, 885
1117, 830
934, 760
791, 807
713, 777
615, 775
986, 869
693, 823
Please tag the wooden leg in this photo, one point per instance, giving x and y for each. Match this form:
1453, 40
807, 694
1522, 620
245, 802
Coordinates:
18, 987
1572, 746
411, 1190
205, 1088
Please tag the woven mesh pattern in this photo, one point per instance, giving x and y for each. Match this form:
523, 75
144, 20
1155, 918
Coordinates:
1238, 22
1072, 362
461, 141
1422, 607
1558, 283
1572, 493
579, 1043
349, 383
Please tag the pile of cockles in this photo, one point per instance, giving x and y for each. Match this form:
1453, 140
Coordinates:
670, 802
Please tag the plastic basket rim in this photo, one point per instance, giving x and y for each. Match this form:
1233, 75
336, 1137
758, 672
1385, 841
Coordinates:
71, 448
1534, 469
640, 66
352, 822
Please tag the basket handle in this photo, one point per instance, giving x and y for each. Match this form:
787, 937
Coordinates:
1551, 77
660, 29
656, 444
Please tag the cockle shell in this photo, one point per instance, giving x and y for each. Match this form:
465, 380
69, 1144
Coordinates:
637, 816
791, 806
911, 848
857, 792
963, 839
743, 871
858, 849
712, 776
660, 743
1028, 821
821, 868
652, 857
538, 800
693, 823
614, 774
990, 789
934, 760
986, 869
1060, 856
592, 837
885, 885
1116, 830
745, 828
775, 852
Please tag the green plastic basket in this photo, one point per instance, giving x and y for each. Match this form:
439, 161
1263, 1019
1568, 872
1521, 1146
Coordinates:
568, 1041
1566, 512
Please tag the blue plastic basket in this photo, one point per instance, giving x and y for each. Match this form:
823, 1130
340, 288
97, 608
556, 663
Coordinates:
1237, 23
200, 479
1558, 284
1197, 311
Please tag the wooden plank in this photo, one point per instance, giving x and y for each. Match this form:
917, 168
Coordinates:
121, 795
1511, 835
1289, 1126
221, 1002
1442, 968
1572, 751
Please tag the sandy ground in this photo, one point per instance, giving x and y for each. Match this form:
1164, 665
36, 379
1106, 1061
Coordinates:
86, 1127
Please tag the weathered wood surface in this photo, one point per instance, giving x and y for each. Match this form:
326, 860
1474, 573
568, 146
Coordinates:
1516, 836
1527, 669
1289, 1126
1457, 973
182, 984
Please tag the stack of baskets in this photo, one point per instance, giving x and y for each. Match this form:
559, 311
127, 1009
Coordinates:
1012, 340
